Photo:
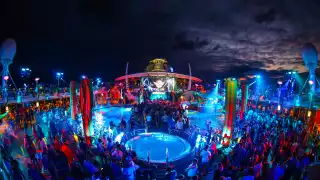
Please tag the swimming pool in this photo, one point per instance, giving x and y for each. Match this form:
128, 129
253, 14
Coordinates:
200, 119
158, 143
105, 114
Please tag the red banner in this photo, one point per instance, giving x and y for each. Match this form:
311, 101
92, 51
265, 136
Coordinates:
86, 104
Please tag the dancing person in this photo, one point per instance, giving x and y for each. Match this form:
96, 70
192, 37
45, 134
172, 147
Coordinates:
170, 174
40, 146
192, 169
205, 158
148, 120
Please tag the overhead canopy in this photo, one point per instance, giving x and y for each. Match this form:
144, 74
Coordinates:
159, 74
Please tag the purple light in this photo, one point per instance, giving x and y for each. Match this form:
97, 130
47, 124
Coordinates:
310, 82
6, 78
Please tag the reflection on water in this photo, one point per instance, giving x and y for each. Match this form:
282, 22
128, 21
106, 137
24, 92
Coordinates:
201, 119
114, 114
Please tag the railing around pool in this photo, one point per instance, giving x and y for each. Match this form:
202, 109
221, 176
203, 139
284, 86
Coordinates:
185, 135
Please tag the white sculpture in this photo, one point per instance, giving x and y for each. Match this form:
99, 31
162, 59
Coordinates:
310, 58
7, 53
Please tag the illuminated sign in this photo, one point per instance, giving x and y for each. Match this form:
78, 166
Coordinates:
158, 93
159, 84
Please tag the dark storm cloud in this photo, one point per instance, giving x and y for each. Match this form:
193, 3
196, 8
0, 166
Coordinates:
244, 32
215, 36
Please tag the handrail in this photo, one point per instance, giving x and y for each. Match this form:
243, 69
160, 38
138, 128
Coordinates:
5, 169
9, 174
174, 132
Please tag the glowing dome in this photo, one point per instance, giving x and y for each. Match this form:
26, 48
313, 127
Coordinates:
8, 49
310, 56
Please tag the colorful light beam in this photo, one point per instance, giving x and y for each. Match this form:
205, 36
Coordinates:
231, 85
86, 104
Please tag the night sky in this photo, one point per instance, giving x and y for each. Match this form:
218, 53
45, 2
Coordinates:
218, 37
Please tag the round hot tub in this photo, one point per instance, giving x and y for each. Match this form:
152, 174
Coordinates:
158, 143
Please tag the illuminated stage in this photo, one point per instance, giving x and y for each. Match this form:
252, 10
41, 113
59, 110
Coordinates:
158, 81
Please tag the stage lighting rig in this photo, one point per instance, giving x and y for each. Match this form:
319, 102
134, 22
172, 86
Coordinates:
25, 73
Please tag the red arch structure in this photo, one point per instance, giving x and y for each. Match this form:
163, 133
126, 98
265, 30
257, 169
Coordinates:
86, 104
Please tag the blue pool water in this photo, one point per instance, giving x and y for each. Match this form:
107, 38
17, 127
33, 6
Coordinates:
115, 114
200, 119
157, 143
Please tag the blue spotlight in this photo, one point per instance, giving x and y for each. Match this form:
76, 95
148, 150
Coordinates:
83, 76
258, 76
289, 72
293, 72
98, 80
59, 75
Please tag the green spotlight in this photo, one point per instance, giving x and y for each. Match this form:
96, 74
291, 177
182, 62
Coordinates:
299, 79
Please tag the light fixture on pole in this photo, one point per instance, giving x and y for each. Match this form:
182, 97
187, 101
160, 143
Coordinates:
59, 75
279, 95
311, 92
25, 73
37, 87
5, 90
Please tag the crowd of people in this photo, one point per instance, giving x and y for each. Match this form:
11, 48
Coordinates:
267, 146
264, 146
